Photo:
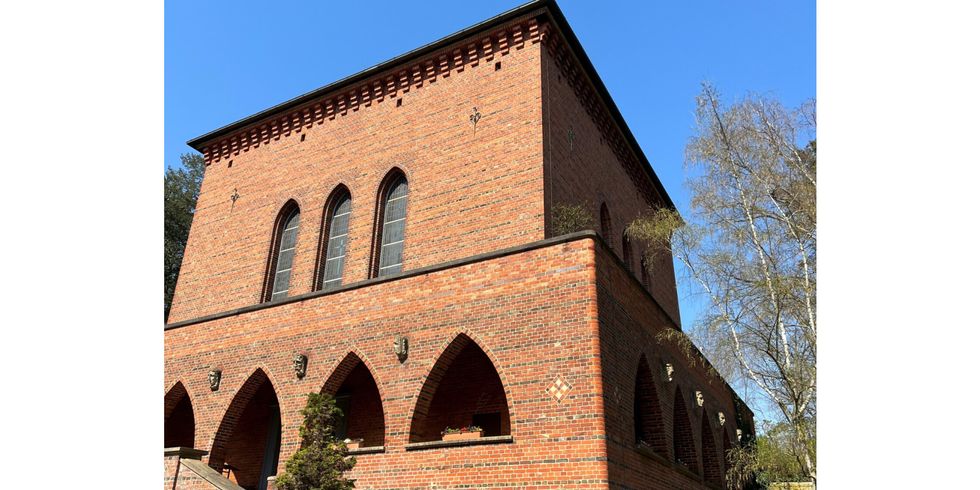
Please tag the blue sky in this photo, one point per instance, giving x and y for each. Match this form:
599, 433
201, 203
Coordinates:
226, 60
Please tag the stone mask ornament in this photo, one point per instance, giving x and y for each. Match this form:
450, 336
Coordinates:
699, 398
669, 372
299, 365
214, 379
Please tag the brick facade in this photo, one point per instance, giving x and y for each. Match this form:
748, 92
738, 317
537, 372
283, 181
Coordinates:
544, 339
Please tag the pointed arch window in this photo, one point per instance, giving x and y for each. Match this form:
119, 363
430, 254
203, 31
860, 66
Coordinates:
627, 252
392, 226
605, 224
283, 250
336, 223
645, 271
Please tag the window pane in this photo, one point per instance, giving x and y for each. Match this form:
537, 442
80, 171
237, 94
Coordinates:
285, 260
284, 257
393, 229
337, 244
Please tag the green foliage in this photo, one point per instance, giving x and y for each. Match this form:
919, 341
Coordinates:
180, 190
569, 218
768, 459
460, 430
749, 246
322, 459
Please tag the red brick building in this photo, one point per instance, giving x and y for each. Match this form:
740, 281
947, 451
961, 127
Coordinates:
390, 239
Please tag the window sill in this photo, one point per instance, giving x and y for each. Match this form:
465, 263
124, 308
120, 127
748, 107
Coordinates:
418, 446
367, 450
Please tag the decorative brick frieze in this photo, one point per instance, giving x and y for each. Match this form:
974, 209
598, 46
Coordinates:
394, 82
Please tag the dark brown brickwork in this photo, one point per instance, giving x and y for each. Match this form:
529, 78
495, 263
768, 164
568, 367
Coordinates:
553, 344
583, 169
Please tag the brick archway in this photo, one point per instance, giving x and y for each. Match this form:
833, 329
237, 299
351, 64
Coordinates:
726, 447
648, 425
353, 386
246, 445
178, 417
684, 449
463, 388
709, 452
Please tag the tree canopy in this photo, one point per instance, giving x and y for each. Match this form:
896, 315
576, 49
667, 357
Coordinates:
181, 187
749, 246
322, 460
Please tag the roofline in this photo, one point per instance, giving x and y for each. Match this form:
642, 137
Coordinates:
551, 9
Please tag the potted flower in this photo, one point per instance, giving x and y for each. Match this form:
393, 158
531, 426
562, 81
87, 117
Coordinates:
462, 433
353, 443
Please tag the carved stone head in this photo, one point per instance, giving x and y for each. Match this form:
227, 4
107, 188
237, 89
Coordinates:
699, 398
721, 419
299, 365
669, 372
214, 379
401, 348
738, 435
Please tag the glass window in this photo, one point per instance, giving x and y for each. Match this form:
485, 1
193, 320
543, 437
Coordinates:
284, 256
336, 246
393, 228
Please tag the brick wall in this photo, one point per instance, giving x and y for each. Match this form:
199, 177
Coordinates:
632, 328
531, 313
471, 190
586, 171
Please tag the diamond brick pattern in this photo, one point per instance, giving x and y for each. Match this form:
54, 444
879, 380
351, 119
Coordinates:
559, 388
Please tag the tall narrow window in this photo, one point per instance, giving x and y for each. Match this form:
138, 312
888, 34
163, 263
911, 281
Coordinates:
285, 247
605, 224
335, 245
627, 252
392, 226
645, 271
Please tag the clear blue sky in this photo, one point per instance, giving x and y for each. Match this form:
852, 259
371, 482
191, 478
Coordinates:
225, 60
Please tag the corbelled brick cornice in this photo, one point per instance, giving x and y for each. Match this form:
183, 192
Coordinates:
412, 75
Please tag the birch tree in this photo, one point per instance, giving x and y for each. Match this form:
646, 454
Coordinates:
749, 245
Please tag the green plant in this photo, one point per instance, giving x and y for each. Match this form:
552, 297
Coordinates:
460, 430
569, 218
322, 460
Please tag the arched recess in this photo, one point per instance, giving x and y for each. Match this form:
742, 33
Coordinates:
726, 447
648, 425
353, 387
462, 389
281, 252
627, 252
605, 224
332, 250
709, 452
178, 417
246, 446
645, 271
684, 450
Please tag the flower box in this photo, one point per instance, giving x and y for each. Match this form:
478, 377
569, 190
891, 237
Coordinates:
353, 443
462, 433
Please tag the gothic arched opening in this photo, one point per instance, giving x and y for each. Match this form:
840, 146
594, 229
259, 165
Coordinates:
463, 389
356, 393
712, 467
648, 426
726, 447
685, 452
178, 418
246, 446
